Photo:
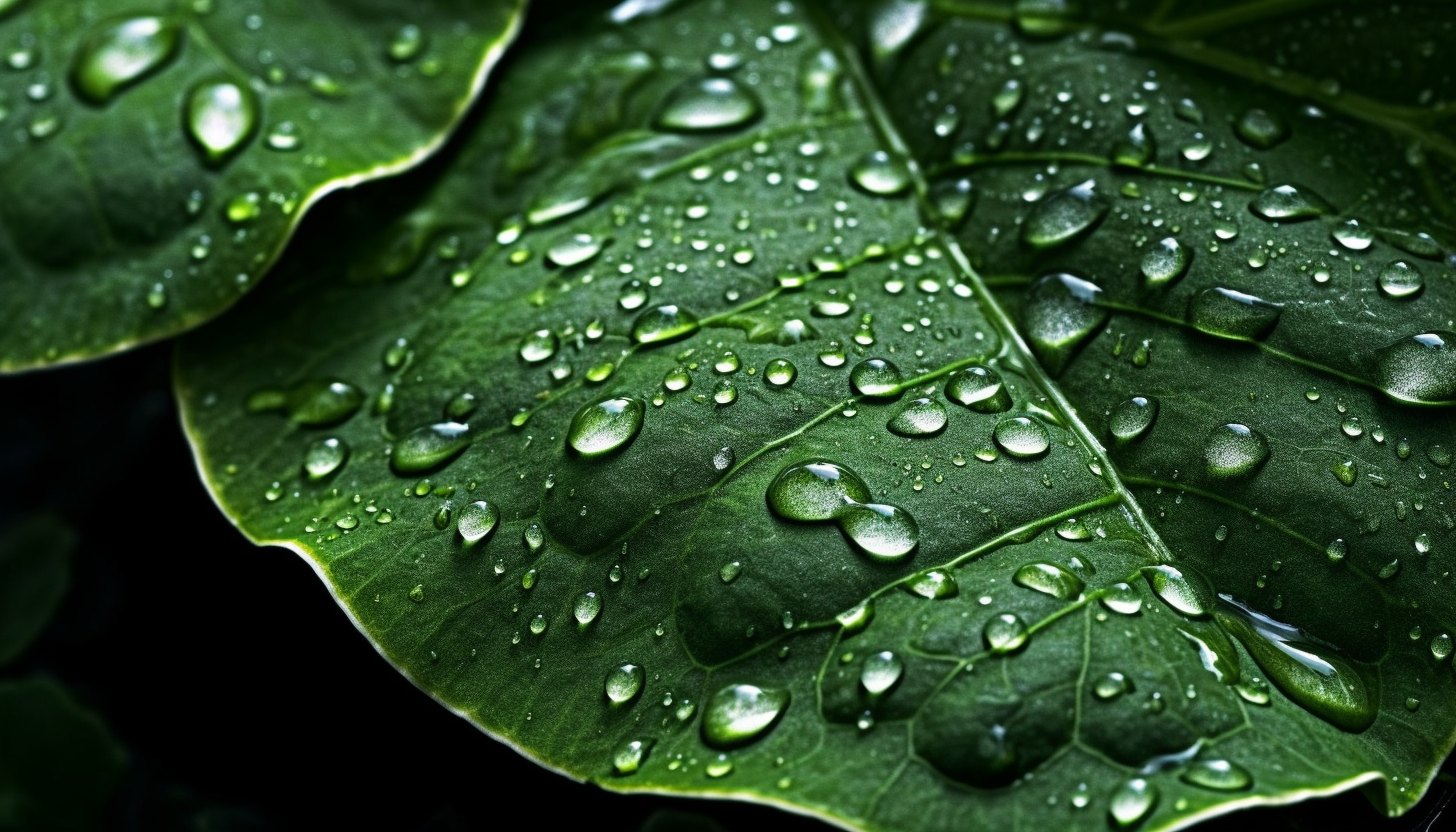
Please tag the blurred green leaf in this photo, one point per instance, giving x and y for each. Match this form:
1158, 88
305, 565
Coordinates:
35, 568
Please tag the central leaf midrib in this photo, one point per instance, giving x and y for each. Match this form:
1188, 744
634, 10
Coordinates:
888, 131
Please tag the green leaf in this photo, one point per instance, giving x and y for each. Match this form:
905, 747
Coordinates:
158, 155
59, 764
919, 417
35, 556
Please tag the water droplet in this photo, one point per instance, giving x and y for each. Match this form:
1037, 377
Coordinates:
1218, 775
726, 393
1112, 686
587, 607
1235, 450
1337, 550
1289, 204
662, 324
727, 363
1423, 544
1131, 802
1022, 436
1346, 472
1420, 368
605, 426
1121, 598
633, 295
739, 714
1231, 314
318, 402
1185, 592
538, 346
1132, 418
324, 457
245, 207
573, 250
417, 594
815, 491
880, 671
952, 200
1400, 280
1004, 633
285, 136
881, 174
1261, 129
406, 44
934, 584
857, 617
883, 532
1188, 110
1062, 216
875, 377
979, 388
1136, 149
1165, 261
477, 521
1061, 312
677, 379
430, 446
730, 572
723, 459
1439, 455
779, 372
624, 683
1322, 683
921, 417
121, 53
1441, 646
1049, 579
221, 116
533, 537
1352, 235
708, 104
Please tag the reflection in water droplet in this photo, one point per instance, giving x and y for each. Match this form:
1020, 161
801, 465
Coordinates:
1131, 418
739, 714
1022, 436
979, 388
605, 426
624, 683
708, 104
628, 756
1352, 235
1061, 312
934, 584
121, 53
1165, 261
1400, 280
881, 174
221, 116
1004, 633
1420, 368
430, 446
1064, 215
880, 671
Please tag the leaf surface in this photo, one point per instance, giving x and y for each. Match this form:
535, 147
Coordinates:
807, 406
158, 155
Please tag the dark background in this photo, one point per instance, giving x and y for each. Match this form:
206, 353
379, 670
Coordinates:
247, 701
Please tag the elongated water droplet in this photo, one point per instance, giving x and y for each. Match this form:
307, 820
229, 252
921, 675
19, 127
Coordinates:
321, 402
934, 584
1049, 579
880, 671
1400, 280
1421, 368
477, 520
1133, 801
1232, 314
1132, 418
856, 618
1004, 633
1217, 775
1287, 203
1022, 436
430, 446
1441, 646
921, 417
1185, 592
573, 250
979, 388
740, 714
1165, 261
605, 426
875, 377
324, 457
624, 683
1308, 673
1060, 314
221, 116
883, 532
1063, 216
881, 174
1235, 450
663, 323
121, 53
815, 491
587, 607
708, 104
1261, 129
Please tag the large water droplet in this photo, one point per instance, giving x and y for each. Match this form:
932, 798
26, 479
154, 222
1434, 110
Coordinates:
1133, 801
881, 174
1136, 149
1064, 215
1235, 450
708, 104
921, 417
1112, 686
1288, 203
883, 532
880, 671
979, 388
875, 377
1004, 633
663, 323
815, 491
538, 346
1165, 261
1231, 314
1060, 314
1185, 592
1022, 436
1353, 236
624, 683
429, 447
121, 53
324, 457
1218, 775
1420, 368
605, 426
740, 714
628, 756
1400, 280
587, 607
779, 372
1049, 579
221, 116
1307, 672
1132, 418
573, 250
1261, 129
1121, 598
477, 520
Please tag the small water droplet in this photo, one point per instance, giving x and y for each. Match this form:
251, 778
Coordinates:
573, 250
1061, 313
662, 324
1420, 368
921, 417
1121, 598
587, 607
1352, 235
1132, 418
1400, 280
1184, 591
1165, 261
1261, 129
979, 388
406, 44
536, 346
1132, 802
1232, 314
779, 372
1004, 633
933, 584
879, 672
1289, 204
1111, 686
1235, 450
1217, 775
875, 377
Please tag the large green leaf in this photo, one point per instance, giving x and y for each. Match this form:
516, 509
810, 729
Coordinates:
159, 153
972, 389
35, 568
